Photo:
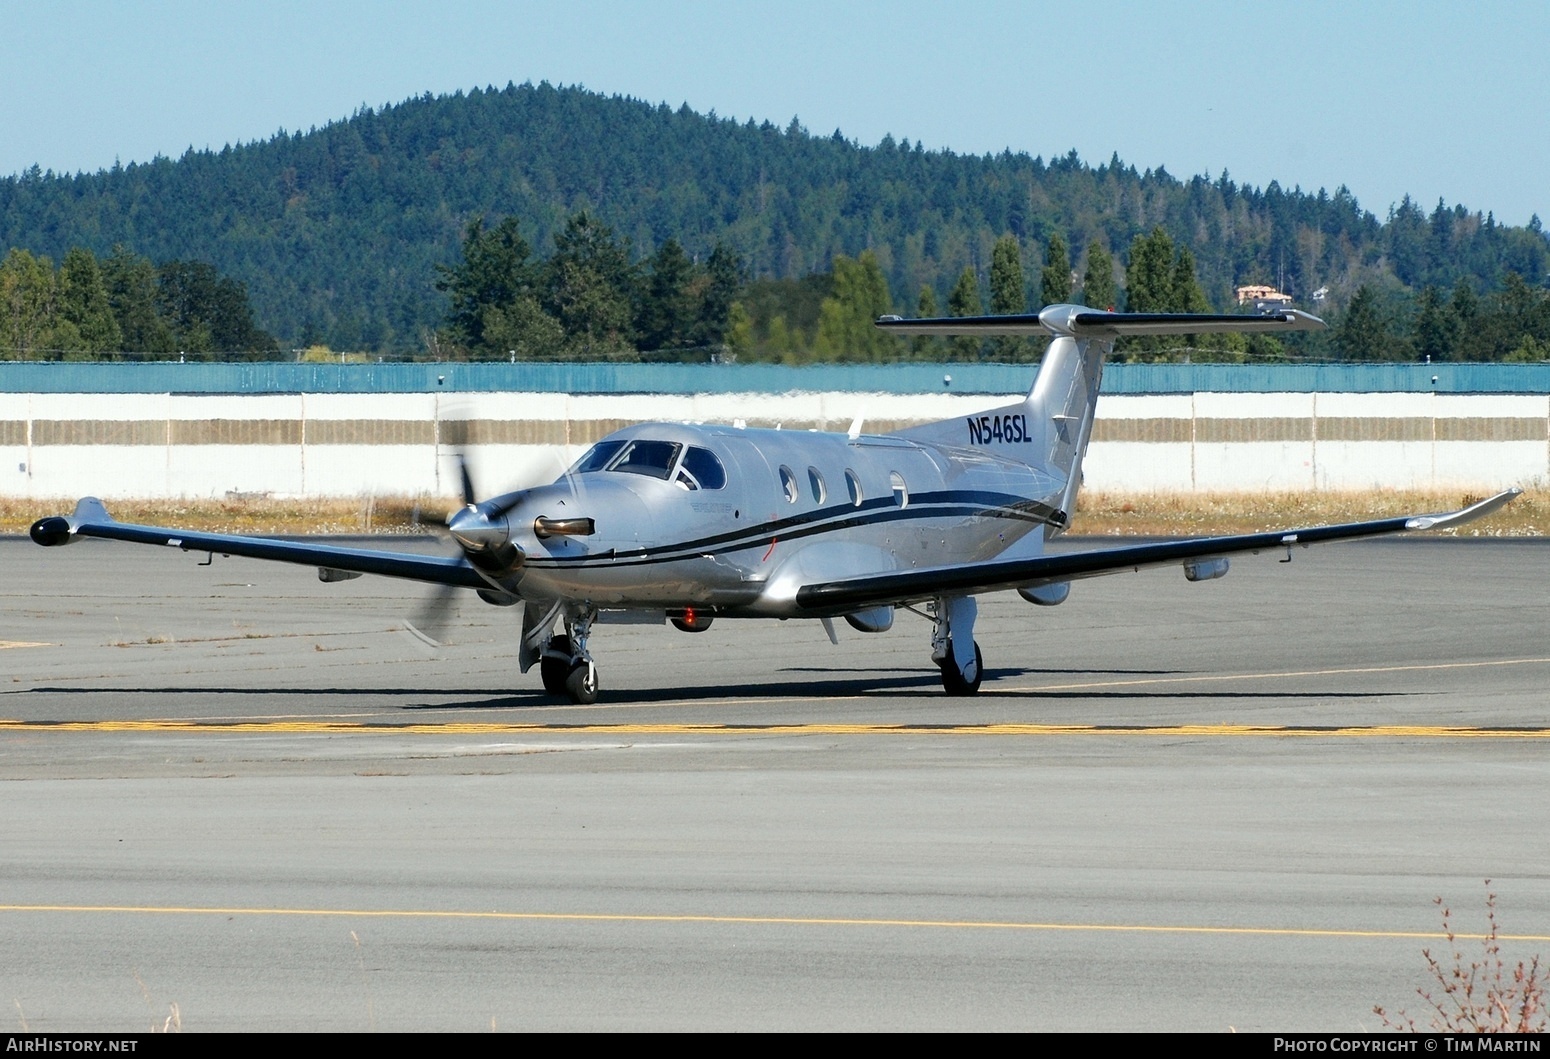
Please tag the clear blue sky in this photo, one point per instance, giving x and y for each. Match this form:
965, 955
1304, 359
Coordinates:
1435, 99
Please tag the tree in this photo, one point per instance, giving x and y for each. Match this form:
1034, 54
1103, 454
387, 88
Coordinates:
723, 281
1149, 275
668, 311
1185, 295
846, 319
27, 291
1055, 280
495, 274
924, 347
1362, 334
1008, 295
1098, 291
590, 286
1436, 330
207, 312
130, 281
84, 303
965, 301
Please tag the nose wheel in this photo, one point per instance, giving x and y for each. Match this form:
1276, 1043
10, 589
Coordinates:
566, 667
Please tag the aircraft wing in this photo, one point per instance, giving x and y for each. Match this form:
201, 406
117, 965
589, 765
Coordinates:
905, 586
91, 519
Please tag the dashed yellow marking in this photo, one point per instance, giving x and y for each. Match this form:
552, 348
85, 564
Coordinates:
7, 644
465, 728
805, 921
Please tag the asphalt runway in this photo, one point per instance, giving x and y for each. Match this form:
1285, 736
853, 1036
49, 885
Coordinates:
251, 795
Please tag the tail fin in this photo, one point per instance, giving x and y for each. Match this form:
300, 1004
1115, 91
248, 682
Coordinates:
1061, 405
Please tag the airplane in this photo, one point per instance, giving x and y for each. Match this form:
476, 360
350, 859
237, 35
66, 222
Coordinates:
687, 523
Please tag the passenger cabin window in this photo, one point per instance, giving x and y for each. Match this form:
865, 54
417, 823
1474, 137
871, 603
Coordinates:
853, 485
701, 470
788, 482
815, 482
901, 492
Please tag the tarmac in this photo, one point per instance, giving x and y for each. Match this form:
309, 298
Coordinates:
248, 794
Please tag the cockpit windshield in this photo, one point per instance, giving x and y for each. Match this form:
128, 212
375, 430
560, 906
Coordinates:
700, 468
654, 459
596, 458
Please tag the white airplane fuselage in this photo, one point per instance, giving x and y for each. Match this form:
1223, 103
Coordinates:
788, 508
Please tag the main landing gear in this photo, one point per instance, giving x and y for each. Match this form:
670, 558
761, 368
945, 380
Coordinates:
566, 667
952, 644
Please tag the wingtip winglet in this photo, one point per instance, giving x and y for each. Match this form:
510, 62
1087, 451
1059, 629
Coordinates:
1480, 509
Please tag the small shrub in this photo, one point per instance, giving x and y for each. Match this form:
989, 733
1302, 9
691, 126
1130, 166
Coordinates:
1478, 996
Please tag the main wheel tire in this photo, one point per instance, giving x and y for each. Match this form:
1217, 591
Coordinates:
581, 684
555, 668
952, 678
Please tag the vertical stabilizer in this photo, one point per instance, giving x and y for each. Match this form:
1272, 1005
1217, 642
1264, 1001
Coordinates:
1064, 399
1058, 412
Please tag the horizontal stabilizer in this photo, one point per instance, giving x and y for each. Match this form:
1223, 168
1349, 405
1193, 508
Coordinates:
1082, 322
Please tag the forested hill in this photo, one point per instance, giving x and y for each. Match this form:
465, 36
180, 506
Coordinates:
337, 231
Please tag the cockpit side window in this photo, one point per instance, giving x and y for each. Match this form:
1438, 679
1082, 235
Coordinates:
654, 459
597, 457
701, 470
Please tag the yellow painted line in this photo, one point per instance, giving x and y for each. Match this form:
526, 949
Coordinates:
7, 644
1391, 731
1284, 675
804, 921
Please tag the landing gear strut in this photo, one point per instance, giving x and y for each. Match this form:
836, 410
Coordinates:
952, 644
566, 667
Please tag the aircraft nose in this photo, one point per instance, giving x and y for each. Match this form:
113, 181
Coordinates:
475, 530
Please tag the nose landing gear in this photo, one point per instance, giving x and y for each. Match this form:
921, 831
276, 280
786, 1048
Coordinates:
566, 667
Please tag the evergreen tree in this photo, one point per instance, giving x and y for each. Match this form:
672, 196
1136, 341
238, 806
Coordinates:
1098, 290
590, 286
1362, 334
668, 311
965, 301
1435, 333
924, 347
84, 303
846, 319
724, 279
27, 291
1008, 295
1186, 297
130, 281
1149, 275
496, 274
1055, 280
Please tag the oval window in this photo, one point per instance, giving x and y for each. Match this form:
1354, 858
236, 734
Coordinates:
853, 484
815, 482
901, 493
788, 482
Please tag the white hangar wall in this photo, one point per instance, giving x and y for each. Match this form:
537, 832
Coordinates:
345, 444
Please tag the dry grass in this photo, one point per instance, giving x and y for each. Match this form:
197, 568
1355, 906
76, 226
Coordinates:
256, 516
1196, 514
1098, 514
